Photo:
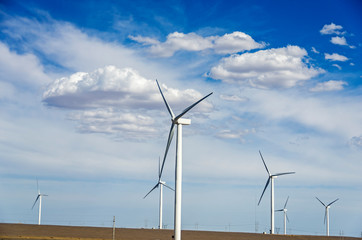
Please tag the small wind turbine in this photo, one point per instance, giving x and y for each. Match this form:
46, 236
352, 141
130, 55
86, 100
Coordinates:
285, 215
39, 197
326, 214
271, 180
177, 120
159, 184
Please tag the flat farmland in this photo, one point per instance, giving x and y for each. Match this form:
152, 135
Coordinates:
51, 232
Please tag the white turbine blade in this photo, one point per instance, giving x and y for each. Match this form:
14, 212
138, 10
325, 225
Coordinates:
156, 186
35, 201
280, 174
190, 107
286, 202
169, 140
321, 202
168, 186
264, 163
333, 202
266, 185
164, 99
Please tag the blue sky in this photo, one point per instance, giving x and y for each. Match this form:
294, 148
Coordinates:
80, 111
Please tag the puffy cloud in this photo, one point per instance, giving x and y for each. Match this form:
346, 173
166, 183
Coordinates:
335, 57
331, 29
228, 43
315, 50
276, 67
339, 41
331, 85
337, 66
112, 100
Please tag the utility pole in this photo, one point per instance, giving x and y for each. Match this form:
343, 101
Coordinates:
114, 228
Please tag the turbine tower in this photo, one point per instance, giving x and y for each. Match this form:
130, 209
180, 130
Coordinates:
179, 121
39, 197
326, 214
271, 178
284, 210
159, 184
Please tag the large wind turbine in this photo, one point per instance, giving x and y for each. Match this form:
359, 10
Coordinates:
271, 180
326, 215
177, 120
159, 184
284, 210
39, 197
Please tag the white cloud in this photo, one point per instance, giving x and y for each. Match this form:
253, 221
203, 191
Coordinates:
228, 43
111, 100
337, 66
339, 41
331, 85
331, 29
335, 57
277, 67
314, 50
232, 134
19, 69
233, 98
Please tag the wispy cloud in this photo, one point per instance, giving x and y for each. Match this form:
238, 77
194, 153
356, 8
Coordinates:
226, 44
273, 68
331, 85
335, 57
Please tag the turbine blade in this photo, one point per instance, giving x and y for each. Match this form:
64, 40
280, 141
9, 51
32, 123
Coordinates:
264, 163
35, 201
333, 202
325, 216
159, 165
285, 205
170, 136
320, 201
266, 185
287, 217
190, 107
279, 174
164, 99
279, 210
156, 186
168, 186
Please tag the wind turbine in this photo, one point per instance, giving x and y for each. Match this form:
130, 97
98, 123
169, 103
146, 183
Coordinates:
39, 197
285, 215
271, 178
159, 184
326, 215
179, 121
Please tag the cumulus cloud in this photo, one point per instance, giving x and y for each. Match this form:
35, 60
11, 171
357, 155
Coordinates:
228, 43
335, 57
273, 68
339, 41
315, 50
331, 85
110, 100
331, 29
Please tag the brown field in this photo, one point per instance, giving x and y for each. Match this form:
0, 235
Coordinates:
44, 232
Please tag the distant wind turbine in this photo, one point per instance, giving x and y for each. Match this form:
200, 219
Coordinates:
177, 120
159, 184
284, 210
271, 180
39, 197
326, 214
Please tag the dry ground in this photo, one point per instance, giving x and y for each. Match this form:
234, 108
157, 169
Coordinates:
43, 232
